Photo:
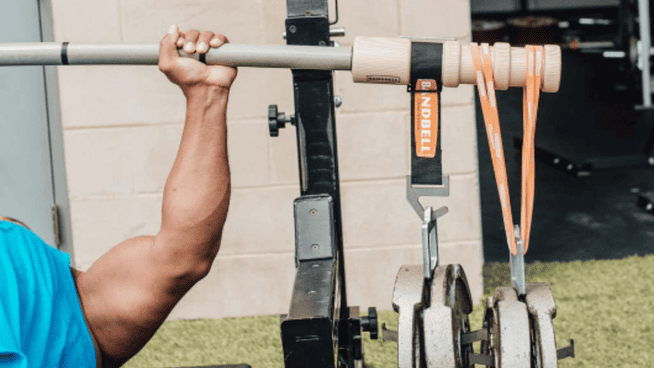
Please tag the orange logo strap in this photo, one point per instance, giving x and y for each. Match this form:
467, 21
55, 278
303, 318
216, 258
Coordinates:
485, 84
426, 118
531, 95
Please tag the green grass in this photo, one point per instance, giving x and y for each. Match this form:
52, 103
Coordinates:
606, 306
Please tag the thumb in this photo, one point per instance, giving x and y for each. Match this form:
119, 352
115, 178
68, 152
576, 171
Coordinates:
168, 48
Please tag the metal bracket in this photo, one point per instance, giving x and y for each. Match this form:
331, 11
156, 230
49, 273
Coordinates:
481, 359
429, 217
518, 266
566, 352
388, 334
56, 223
430, 240
315, 233
474, 336
413, 192
335, 11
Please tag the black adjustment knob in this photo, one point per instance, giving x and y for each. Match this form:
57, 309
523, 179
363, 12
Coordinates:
273, 121
370, 324
277, 120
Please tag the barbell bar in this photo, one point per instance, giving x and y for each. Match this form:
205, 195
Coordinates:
370, 59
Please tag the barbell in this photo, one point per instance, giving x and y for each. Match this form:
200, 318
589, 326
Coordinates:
370, 59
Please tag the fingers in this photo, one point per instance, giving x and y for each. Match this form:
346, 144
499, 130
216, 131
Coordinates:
168, 49
203, 42
191, 40
196, 41
218, 39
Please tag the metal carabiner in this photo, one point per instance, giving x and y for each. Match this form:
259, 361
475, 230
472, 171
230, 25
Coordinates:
518, 265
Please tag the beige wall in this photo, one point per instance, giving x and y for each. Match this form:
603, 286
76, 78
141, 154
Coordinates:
122, 126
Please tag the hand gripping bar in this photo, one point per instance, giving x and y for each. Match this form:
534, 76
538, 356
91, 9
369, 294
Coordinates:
371, 59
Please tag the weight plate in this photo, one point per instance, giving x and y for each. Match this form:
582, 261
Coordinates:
407, 302
507, 321
446, 319
542, 310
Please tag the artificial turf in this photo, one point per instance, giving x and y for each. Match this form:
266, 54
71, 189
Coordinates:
606, 306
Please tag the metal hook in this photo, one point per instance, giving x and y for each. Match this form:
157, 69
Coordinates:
335, 20
518, 265
415, 192
430, 240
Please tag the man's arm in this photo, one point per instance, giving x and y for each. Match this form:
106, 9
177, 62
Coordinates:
128, 293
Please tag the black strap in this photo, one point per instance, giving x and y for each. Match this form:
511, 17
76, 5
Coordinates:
202, 58
426, 64
64, 53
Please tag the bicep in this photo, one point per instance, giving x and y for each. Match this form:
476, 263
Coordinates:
128, 293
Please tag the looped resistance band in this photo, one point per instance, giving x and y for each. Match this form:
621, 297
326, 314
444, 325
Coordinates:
485, 85
530, 97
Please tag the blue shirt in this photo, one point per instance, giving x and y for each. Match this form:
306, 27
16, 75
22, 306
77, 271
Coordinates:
41, 319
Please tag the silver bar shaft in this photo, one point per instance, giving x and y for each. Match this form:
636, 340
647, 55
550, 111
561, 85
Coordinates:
262, 56
643, 15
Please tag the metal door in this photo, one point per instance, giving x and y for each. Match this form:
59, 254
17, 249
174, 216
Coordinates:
26, 179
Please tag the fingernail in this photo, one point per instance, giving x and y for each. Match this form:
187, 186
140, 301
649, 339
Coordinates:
214, 42
202, 46
172, 29
188, 47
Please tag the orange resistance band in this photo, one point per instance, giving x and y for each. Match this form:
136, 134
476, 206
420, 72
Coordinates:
530, 99
485, 84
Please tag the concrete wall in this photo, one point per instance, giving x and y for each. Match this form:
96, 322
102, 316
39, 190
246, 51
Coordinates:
122, 126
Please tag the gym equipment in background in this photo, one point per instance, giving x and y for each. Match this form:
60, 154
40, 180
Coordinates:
321, 329
630, 50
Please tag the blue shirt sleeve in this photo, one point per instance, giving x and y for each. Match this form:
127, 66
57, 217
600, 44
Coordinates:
41, 320
11, 354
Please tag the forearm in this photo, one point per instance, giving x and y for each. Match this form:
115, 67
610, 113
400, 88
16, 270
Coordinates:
197, 191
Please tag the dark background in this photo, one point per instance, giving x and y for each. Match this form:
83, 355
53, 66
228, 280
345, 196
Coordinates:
575, 218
